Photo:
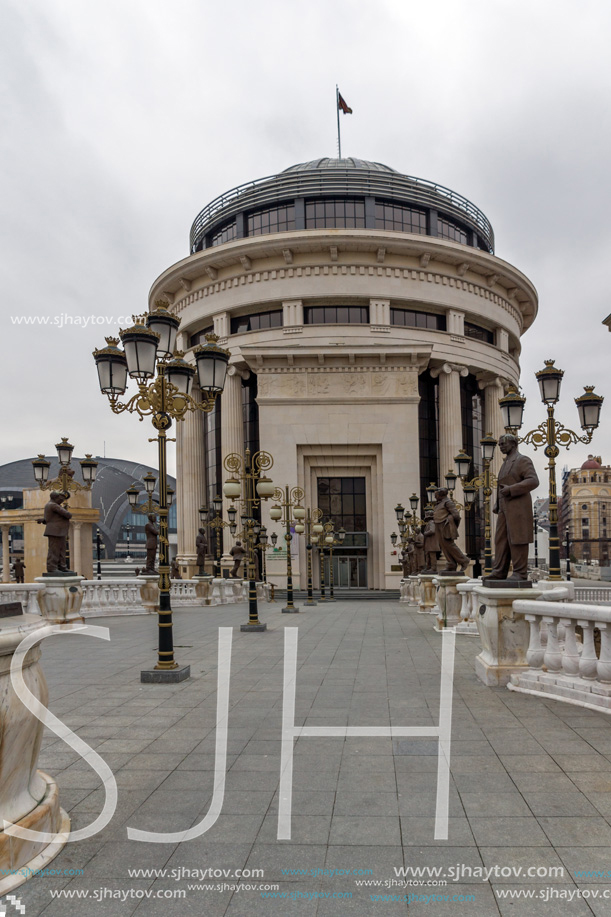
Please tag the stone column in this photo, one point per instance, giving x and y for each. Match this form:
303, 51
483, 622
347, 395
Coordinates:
493, 390
232, 434
450, 427
190, 484
6, 561
76, 544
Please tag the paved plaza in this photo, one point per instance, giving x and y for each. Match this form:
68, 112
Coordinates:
530, 780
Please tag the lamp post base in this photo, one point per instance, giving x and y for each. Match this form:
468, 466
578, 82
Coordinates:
290, 611
310, 602
253, 628
165, 676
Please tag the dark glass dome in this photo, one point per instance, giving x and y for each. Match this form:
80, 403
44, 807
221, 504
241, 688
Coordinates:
341, 193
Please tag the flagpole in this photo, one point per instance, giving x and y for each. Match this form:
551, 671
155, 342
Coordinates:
339, 139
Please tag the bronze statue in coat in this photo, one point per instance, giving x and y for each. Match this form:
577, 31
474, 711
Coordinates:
201, 547
447, 518
431, 545
56, 520
514, 529
152, 534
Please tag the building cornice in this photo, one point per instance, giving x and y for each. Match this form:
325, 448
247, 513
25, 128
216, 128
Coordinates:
262, 259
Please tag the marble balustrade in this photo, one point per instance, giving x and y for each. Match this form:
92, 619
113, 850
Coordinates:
22, 592
122, 596
561, 664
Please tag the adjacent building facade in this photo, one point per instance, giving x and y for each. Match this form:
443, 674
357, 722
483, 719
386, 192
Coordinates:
586, 511
372, 330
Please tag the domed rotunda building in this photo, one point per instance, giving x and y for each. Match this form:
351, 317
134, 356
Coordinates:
372, 330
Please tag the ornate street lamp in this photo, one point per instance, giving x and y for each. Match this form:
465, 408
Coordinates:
551, 434
164, 382
64, 482
248, 484
217, 524
487, 481
289, 503
313, 529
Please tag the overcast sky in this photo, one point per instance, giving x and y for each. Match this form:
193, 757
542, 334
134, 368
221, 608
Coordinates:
122, 119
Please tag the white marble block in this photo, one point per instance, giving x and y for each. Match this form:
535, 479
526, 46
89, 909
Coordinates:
27, 796
504, 633
61, 599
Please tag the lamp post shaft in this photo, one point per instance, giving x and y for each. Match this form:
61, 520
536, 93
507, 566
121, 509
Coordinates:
321, 560
551, 452
310, 599
166, 639
289, 562
331, 577
487, 525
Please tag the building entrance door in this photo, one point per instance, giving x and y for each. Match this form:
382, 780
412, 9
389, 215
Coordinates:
342, 501
350, 571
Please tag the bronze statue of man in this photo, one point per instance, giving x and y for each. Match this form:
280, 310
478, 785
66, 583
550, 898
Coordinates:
431, 545
418, 551
56, 520
447, 519
201, 547
514, 528
238, 553
152, 534
405, 561
19, 570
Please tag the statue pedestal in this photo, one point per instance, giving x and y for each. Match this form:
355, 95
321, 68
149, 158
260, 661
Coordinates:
149, 592
504, 633
203, 588
61, 599
427, 602
28, 797
449, 600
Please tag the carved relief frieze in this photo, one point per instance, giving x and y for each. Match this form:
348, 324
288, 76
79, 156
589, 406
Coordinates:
340, 383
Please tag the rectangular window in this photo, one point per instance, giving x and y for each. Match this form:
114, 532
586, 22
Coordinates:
336, 315
224, 234
397, 218
275, 219
409, 318
258, 321
449, 230
340, 213
342, 501
479, 333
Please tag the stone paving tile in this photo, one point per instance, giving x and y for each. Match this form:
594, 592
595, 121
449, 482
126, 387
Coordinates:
349, 830
529, 764
508, 832
521, 859
551, 803
420, 832
487, 804
114, 858
284, 855
586, 859
576, 831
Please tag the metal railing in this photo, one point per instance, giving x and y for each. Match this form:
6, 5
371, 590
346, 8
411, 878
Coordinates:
345, 182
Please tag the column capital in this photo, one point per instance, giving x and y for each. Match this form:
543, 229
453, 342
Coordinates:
241, 370
447, 368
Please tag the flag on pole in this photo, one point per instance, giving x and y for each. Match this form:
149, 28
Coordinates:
342, 105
